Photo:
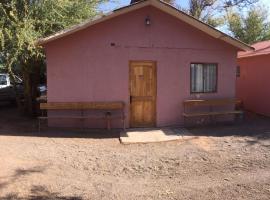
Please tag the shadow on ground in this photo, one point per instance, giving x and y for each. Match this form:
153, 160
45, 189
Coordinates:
20, 172
256, 127
66, 133
12, 123
39, 192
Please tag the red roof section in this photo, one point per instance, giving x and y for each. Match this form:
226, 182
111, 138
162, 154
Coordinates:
261, 48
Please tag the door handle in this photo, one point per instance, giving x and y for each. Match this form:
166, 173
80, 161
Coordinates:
130, 98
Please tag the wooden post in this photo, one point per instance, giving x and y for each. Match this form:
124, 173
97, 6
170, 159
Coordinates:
82, 120
38, 125
108, 120
123, 119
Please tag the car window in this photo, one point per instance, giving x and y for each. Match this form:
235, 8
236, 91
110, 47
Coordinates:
3, 80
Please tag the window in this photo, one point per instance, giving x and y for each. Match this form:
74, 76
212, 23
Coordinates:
3, 80
203, 77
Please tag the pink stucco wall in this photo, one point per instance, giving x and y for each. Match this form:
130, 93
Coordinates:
85, 67
253, 84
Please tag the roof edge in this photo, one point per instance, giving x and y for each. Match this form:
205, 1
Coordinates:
169, 9
220, 35
91, 22
253, 54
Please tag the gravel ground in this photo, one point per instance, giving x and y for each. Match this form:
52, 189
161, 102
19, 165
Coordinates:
220, 162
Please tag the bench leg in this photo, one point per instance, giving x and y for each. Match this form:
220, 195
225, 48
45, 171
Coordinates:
186, 122
82, 120
236, 118
108, 120
82, 124
240, 117
39, 128
108, 124
40, 124
243, 116
124, 124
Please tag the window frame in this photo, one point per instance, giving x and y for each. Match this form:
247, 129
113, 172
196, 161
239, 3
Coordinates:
203, 64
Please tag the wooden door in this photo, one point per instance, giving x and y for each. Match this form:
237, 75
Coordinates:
143, 89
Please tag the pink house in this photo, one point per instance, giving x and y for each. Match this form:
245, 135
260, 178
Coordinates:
253, 79
149, 55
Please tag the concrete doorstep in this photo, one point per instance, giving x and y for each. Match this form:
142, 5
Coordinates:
136, 136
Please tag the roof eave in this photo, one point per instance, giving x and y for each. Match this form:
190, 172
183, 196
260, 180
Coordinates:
162, 6
205, 27
92, 22
240, 45
253, 55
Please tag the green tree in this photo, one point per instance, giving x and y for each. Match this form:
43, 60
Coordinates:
253, 27
212, 11
22, 22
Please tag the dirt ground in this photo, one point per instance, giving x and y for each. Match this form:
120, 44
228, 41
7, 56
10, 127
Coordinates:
220, 162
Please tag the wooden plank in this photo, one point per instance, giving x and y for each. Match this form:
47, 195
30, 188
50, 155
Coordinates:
79, 117
73, 117
211, 102
85, 106
211, 113
143, 87
82, 106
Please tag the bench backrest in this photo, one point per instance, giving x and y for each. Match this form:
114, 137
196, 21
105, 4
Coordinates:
211, 102
82, 106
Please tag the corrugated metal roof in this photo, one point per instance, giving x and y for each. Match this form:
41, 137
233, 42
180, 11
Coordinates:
260, 48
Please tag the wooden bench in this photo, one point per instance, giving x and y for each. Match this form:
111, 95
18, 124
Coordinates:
84, 107
212, 107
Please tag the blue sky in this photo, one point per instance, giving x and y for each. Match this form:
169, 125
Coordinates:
112, 4
119, 3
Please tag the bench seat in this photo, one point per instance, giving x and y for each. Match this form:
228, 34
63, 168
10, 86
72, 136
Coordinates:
213, 107
78, 117
198, 114
106, 109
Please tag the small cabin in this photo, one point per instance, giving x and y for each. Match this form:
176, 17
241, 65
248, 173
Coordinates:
149, 55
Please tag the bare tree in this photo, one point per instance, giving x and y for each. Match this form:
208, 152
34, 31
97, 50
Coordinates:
167, 1
212, 11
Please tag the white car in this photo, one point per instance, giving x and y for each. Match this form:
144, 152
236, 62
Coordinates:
7, 92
